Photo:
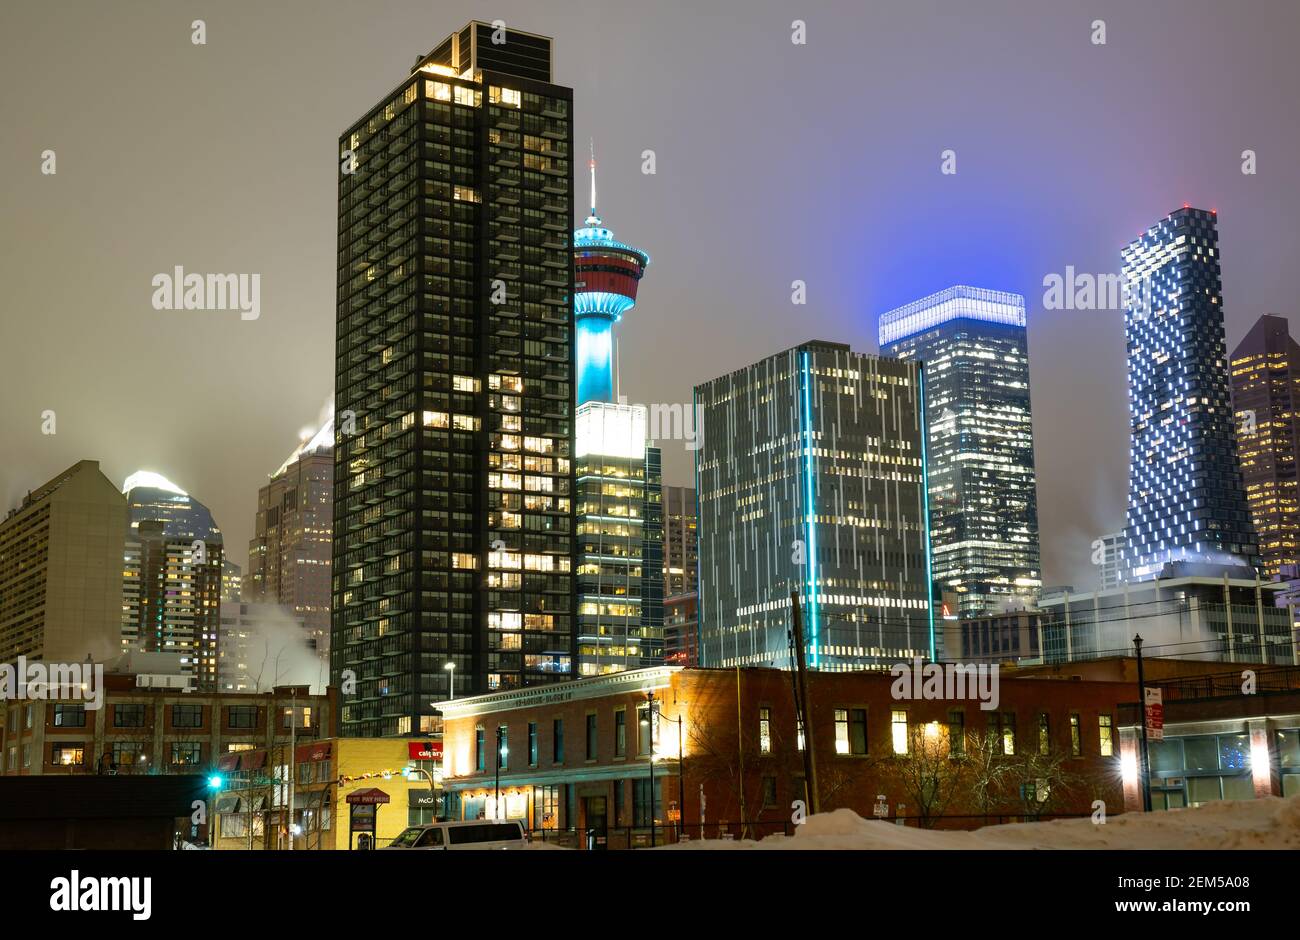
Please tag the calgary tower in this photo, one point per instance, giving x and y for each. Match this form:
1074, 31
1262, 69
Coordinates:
606, 273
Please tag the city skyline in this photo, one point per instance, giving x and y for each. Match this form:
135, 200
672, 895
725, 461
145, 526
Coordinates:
1060, 194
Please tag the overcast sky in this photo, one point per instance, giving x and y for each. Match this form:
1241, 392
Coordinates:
775, 162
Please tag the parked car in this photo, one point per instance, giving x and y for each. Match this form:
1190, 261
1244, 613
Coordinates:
470, 834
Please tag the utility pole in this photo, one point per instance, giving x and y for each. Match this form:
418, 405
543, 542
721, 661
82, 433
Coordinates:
293, 763
801, 706
740, 751
1145, 765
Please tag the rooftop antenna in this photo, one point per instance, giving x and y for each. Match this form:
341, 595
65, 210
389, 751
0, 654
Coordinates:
593, 219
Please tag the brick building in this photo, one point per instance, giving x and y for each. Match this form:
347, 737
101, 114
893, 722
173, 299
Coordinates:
577, 756
152, 729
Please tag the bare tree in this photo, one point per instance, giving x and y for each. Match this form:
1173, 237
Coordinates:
929, 774
986, 769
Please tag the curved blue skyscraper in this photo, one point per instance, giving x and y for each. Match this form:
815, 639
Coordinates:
1186, 502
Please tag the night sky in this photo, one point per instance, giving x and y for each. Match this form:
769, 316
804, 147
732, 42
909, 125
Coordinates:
775, 162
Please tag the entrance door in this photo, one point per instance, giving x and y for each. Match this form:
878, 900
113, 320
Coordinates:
596, 814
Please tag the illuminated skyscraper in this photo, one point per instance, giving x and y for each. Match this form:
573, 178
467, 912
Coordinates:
983, 499
1185, 501
289, 554
150, 495
171, 598
811, 480
454, 384
1266, 402
619, 511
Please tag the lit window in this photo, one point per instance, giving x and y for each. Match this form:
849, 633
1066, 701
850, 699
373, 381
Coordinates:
898, 730
439, 91
765, 730
1105, 734
841, 731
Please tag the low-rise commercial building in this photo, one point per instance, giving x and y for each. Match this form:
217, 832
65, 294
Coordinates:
577, 760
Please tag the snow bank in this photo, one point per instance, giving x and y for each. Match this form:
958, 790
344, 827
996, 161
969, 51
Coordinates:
1270, 823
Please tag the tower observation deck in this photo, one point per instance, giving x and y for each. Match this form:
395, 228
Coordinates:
606, 273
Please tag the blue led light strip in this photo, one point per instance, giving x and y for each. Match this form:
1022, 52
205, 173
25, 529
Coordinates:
810, 516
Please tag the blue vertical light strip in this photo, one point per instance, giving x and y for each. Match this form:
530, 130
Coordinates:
810, 515
925, 492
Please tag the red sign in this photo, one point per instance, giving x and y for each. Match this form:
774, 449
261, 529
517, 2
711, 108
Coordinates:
424, 750
1155, 714
370, 797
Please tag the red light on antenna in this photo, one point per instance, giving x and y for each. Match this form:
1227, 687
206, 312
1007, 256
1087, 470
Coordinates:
1187, 205
1214, 212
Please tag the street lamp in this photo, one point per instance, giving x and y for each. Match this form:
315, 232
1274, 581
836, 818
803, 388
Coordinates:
502, 750
648, 720
451, 668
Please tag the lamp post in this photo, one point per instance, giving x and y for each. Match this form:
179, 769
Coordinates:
451, 668
502, 750
650, 736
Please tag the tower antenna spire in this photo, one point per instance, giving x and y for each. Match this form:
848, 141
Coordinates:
592, 164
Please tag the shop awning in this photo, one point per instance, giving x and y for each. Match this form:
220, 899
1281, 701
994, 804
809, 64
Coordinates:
227, 804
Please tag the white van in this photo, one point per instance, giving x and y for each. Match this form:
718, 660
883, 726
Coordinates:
470, 834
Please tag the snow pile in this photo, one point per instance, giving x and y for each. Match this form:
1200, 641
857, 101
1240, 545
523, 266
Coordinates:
1270, 823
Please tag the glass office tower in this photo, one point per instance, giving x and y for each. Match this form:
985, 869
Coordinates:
983, 499
1186, 501
1266, 404
811, 480
453, 539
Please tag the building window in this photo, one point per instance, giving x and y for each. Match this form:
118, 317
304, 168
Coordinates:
187, 716
128, 754
1076, 740
765, 730
798, 731
1044, 734
186, 753
503, 746
69, 716
299, 716
841, 731
557, 741
769, 791
591, 736
620, 732
241, 716
1002, 732
480, 752
647, 729
643, 814
128, 716
619, 800
1105, 736
532, 744
898, 730
68, 755
956, 732
546, 806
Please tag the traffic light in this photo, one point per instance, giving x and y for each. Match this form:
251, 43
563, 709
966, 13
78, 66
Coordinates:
215, 782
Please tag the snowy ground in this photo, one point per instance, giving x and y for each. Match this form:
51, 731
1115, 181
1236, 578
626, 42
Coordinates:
1271, 823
